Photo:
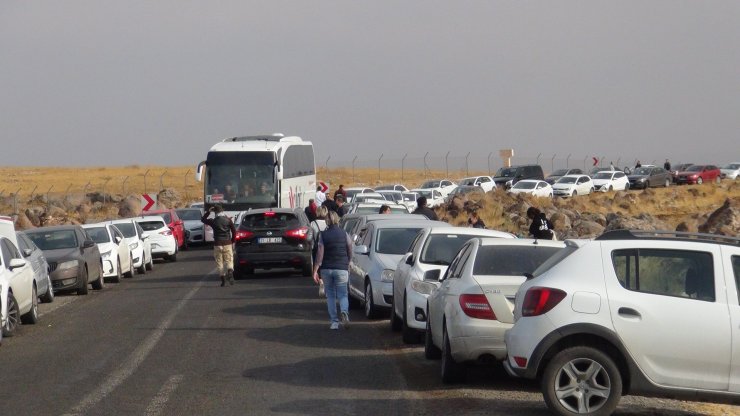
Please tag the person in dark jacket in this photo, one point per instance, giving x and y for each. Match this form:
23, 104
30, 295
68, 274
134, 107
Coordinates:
340, 191
423, 209
333, 257
224, 236
339, 202
310, 210
330, 204
475, 221
541, 228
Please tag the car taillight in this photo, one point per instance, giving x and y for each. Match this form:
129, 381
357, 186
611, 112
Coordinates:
540, 300
243, 235
167, 232
477, 306
297, 233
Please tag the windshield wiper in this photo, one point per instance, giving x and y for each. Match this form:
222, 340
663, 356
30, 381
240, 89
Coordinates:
437, 262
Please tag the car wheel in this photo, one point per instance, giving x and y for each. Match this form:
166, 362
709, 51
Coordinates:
626, 186
408, 335
150, 264
575, 193
396, 323
14, 319
610, 188
581, 380
699, 180
32, 316
452, 371
119, 274
371, 311
83, 289
99, 283
142, 269
48, 297
431, 352
718, 180
130, 272
667, 183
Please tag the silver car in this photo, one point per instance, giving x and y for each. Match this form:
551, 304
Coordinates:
194, 228
35, 257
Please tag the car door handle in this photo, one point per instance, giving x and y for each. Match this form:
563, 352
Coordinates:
629, 313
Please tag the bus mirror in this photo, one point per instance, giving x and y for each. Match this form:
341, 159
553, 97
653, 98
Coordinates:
199, 171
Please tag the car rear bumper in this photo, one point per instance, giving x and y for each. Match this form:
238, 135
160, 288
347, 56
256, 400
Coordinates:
163, 247
295, 259
476, 340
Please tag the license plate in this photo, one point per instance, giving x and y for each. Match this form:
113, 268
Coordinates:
269, 240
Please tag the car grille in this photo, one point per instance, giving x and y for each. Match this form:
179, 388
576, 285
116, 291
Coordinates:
52, 267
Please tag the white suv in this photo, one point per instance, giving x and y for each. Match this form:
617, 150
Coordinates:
631, 312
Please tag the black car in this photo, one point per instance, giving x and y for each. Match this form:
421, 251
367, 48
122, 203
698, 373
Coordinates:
651, 176
507, 177
273, 238
553, 177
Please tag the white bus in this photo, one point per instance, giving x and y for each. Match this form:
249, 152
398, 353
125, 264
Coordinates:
242, 173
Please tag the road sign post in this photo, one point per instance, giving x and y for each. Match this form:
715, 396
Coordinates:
149, 202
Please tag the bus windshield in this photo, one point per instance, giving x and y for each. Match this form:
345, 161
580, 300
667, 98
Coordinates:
241, 180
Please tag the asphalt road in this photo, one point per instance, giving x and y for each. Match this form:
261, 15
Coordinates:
173, 342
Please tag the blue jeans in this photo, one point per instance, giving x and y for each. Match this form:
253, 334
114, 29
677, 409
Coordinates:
335, 287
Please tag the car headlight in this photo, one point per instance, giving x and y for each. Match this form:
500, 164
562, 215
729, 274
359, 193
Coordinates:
106, 254
386, 276
67, 265
641, 179
133, 245
425, 288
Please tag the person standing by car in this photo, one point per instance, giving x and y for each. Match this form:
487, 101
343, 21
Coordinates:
224, 236
423, 209
541, 228
667, 165
333, 257
340, 191
339, 201
310, 210
320, 196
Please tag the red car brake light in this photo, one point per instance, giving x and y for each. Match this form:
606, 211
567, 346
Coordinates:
540, 300
477, 306
243, 235
300, 233
270, 214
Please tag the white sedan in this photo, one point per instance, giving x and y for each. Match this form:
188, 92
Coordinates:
730, 171
434, 197
485, 182
444, 186
572, 185
611, 180
533, 187
471, 310
115, 252
18, 296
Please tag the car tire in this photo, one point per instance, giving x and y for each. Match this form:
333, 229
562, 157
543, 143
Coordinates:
371, 311
119, 275
610, 188
667, 183
718, 179
48, 297
452, 371
575, 193
83, 289
130, 273
647, 184
627, 186
142, 269
699, 180
32, 317
99, 283
431, 352
592, 370
408, 335
150, 264
14, 317
396, 322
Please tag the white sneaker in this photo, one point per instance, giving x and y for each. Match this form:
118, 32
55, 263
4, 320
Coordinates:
345, 320
334, 325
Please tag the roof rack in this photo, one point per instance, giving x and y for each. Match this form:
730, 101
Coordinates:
668, 235
267, 138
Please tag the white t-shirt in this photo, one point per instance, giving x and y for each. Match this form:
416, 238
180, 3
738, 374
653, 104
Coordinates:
320, 198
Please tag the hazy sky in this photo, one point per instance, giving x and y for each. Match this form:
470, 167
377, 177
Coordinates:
158, 82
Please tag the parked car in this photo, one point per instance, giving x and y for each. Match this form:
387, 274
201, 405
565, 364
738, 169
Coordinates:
351, 192
731, 170
698, 174
273, 238
73, 257
534, 187
467, 192
675, 169
18, 290
353, 223
506, 177
596, 169
434, 197
373, 208
444, 186
35, 257
611, 180
175, 223
649, 176
407, 199
573, 185
553, 177
157, 235
631, 312
114, 250
484, 182
396, 187
141, 249
379, 247
472, 308
194, 228
417, 274
369, 197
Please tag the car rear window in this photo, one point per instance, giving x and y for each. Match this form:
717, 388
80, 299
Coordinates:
127, 229
511, 260
152, 225
270, 220
441, 248
98, 234
525, 185
395, 240
54, 240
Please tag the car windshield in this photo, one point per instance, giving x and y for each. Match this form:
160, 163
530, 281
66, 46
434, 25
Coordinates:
189, 214
695, 169
641, 171
395, 240
430, 184
53, 240
732, 166
506, 173
603, 175
127, 229
511, 260
99, 234
152, 225
560, 172
425, 194
524, 185
270, 219
567, 179
467, 181
441, 248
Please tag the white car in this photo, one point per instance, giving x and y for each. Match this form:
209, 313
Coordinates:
572, 185
631, 312
115, 252
473, 307
18, 296
407, 199
417, 274
374, 208
610, 180
485, 182
730, 171
373, 197
351, 192
195, 230
444, 186
533, 187
434, 197
137, 242
159, 236
396, 187
33, 255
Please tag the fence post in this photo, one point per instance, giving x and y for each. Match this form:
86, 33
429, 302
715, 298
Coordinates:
32, 192
447, 169
538, 159
567, 161
124, 186
381, 157
326, 164
145, 173
48, 200
426, 168
161, 187
467, 171
105, 185
584, 164
15, 201
403, 160
489, 163
552, 163
84, 190
66, 193
353, 169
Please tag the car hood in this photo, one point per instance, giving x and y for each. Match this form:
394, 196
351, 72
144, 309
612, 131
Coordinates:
61, 254
388, 261
563, 186
635, 177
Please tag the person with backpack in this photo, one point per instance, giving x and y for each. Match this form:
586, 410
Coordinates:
541, 228
333, 256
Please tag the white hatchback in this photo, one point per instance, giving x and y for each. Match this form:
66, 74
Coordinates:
159, 236
610, 180
141, 250
572, 185
471, 310
485, 182
533, 187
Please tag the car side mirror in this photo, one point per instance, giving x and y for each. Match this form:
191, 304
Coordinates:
118, 240
144, 236
16, 263
362, 249
432, 275
27, 252
88, 244
410, 259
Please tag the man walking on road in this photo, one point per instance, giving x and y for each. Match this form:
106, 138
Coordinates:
333, 256
224, 236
